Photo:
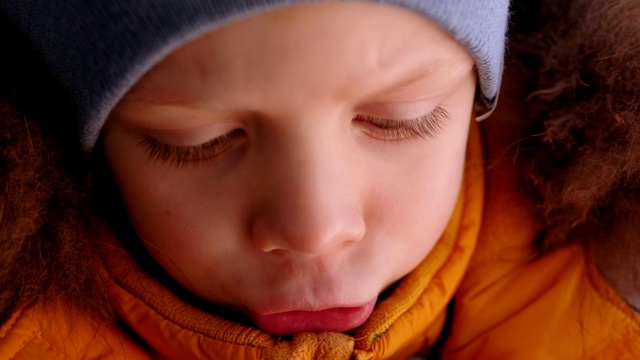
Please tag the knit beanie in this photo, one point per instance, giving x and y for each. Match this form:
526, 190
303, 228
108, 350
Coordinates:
98, 49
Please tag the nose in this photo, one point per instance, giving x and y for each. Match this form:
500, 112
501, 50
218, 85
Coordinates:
309, 198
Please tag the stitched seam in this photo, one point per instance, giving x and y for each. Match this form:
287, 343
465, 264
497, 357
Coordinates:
11, 325
31, 338
53, 348
19, 315
25, 342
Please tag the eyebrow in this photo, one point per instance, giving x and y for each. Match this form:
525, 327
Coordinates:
420, 74
410, 79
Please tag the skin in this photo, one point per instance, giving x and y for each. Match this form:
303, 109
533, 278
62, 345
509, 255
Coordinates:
309, 204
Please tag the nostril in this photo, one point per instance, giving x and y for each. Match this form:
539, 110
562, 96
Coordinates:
265, 244
263, 238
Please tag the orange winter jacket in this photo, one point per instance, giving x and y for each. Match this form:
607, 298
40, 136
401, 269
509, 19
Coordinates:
513, 304
509, 304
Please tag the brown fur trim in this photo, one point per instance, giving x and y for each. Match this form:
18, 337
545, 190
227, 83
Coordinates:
583, 161
46, 250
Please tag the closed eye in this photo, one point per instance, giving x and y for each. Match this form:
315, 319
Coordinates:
426, 126
189, 155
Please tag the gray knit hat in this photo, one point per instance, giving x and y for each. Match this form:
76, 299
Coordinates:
97, 49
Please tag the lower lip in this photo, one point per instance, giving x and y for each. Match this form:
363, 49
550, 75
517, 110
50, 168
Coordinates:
335, 319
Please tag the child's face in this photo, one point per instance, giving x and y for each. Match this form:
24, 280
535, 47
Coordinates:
304, 159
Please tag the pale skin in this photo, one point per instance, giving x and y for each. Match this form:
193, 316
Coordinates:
341, 132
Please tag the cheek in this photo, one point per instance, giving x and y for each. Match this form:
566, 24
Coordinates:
192, 231
412, 204
183, 218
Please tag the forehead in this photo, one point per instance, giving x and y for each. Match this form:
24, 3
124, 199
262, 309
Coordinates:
338, 45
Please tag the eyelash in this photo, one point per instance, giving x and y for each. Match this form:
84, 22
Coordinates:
379, 128
184, 155
426, 126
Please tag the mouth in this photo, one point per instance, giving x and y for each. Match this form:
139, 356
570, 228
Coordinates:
337, 319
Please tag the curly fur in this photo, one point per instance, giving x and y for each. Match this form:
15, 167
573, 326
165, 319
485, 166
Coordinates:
583, 162
46, 249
